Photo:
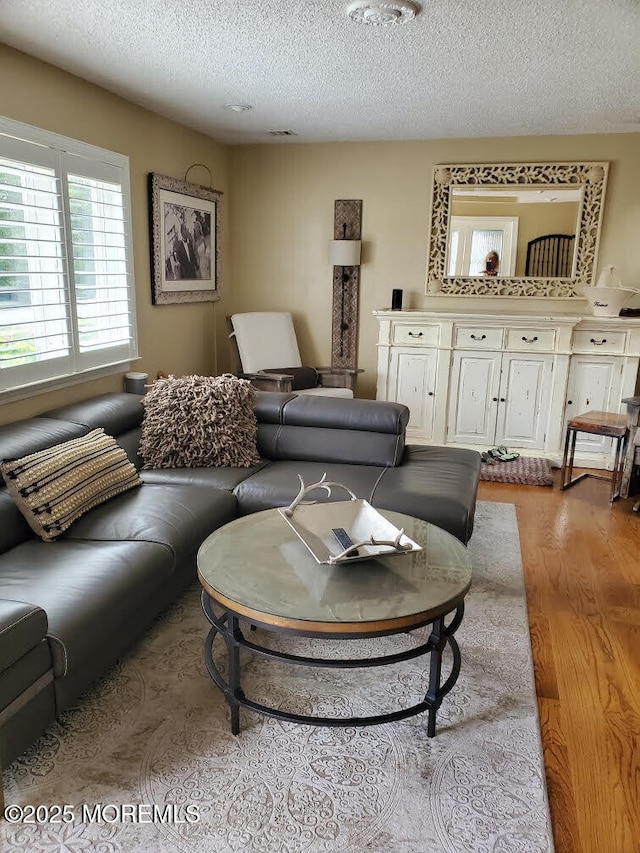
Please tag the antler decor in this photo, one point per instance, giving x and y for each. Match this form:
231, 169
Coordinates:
392, 543
322, 483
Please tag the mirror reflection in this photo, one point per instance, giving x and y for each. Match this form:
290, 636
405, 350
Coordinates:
513, 232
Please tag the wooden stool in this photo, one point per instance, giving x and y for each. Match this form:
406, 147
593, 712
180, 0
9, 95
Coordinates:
600, 423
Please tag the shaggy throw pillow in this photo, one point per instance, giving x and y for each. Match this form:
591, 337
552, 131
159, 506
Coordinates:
198, 421
54, 487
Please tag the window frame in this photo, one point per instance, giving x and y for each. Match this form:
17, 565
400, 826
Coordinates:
466, 226
103, 166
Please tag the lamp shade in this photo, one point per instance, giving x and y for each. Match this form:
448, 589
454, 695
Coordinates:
344, 253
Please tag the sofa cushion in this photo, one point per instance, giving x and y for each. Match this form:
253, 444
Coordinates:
13, 525
213, 478
199, 421
332, 429
269, 406
177, 516
436, 484
85, 588
56, 486
278, 484
115, 412
33, 434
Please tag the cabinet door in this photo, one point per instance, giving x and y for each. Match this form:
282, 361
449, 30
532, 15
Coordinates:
473, 397
525, 391
594, 385
412, 376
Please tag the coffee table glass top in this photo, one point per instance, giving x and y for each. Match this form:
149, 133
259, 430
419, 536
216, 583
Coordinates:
257, 565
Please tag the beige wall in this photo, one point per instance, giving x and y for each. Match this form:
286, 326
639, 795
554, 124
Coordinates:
282, 219
278, 219
173, 338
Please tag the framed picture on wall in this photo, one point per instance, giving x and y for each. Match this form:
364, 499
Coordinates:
184, 241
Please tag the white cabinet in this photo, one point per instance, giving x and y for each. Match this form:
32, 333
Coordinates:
524, 401
603, 370
594, 385
499, 398
474, 385
412, 378
480, 380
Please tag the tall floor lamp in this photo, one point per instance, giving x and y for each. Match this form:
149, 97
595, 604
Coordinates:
344, 255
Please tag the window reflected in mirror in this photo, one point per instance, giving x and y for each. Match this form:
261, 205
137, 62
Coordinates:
513, 223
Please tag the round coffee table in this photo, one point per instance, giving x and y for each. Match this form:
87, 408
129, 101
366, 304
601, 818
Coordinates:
257, 569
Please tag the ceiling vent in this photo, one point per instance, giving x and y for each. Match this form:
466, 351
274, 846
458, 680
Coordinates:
383, 14
282, 133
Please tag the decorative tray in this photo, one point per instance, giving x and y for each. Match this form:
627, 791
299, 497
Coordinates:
344, 531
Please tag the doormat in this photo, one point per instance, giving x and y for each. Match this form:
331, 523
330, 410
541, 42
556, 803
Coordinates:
525, 470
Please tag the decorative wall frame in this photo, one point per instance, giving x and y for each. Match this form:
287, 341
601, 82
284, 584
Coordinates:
184, 241
591, 177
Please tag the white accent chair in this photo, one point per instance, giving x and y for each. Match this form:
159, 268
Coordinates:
267, 353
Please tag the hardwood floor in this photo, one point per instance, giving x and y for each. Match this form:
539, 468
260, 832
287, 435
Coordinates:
581, 558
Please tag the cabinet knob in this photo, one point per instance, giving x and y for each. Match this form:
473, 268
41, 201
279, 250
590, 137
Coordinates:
476, 338
430, 394
569, 402
415, 334
597, 343
529, 340
495, 399
503, 399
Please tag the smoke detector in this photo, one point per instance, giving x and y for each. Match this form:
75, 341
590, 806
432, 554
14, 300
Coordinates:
383, 14
238, 108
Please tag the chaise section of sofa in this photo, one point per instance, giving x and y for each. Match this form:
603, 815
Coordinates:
360, 444
437, 484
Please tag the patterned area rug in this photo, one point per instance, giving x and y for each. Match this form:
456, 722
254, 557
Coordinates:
526, 470
155, 735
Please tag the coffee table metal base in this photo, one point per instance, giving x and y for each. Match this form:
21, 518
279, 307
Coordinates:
227, 624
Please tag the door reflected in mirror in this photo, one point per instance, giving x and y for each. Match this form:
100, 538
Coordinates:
515, 231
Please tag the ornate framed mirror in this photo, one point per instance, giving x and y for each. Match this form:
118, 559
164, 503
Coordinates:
515, 229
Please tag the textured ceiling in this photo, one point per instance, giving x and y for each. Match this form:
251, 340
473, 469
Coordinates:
461, 68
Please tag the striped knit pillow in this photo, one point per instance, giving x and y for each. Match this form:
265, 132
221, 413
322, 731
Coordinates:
54, 487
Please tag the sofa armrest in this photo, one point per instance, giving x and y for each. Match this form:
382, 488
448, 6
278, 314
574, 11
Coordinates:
22, 627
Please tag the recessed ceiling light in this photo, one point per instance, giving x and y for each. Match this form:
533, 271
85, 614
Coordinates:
383, 14
238, 108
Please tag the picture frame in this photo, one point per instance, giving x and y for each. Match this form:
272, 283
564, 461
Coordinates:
184, 241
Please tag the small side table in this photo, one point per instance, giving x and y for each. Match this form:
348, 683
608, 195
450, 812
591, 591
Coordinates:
628, 464
599, 423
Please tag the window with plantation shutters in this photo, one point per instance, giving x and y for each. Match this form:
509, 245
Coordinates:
67, 304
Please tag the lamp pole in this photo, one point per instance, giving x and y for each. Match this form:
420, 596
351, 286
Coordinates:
343, 326
344, 253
